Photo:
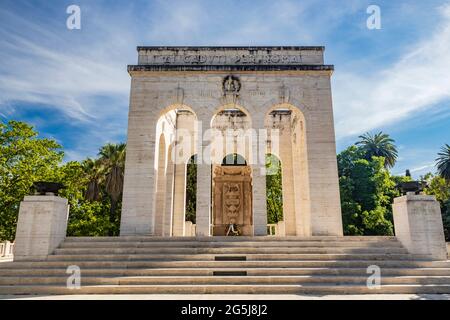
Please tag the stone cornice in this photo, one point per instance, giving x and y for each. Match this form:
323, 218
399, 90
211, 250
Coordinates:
228, 68
231, 48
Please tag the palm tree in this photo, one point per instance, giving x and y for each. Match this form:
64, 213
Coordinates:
113, 158
379, 145
94, 171
443, 162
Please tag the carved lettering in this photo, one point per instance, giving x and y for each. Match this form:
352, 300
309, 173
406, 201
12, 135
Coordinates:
244, 59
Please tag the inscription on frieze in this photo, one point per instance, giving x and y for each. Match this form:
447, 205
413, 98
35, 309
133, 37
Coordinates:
244, 59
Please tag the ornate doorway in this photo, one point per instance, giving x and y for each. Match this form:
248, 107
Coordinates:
232, 197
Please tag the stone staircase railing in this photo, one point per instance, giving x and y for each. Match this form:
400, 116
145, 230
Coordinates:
189, 229
276, 229
6, 249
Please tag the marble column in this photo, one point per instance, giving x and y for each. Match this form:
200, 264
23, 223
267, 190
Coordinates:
138, 206
203, 209
179, 199
160, 194
258, 164
259, 201
168, 208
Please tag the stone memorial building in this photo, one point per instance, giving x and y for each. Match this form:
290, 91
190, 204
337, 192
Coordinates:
224, 111
225, 103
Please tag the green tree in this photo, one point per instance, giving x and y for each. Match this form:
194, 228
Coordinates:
379, 145
113, 158
440, 187
367, 190
274, 191
443, 162
24, 159
191, 189
87, 217
94, 172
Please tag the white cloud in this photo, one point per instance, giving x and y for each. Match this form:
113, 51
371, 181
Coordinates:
421, 168
62, 75
419, 79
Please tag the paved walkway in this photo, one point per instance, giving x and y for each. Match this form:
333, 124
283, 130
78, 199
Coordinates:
234, 297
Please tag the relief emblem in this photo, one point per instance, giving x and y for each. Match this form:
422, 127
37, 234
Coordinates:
231, 85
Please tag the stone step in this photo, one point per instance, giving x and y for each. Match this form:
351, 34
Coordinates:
229, 244
228, 264
117, 272
223, 239
208, 272
224, 280
313, 265
323, 288
211, 257
233, 250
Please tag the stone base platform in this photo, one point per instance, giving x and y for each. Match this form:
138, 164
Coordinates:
197, 297
227, 265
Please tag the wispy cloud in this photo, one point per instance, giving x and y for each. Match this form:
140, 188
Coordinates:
73, 82
418, 80
60, 76
420, 170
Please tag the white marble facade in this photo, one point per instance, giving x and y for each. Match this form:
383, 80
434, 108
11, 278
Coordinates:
265, 99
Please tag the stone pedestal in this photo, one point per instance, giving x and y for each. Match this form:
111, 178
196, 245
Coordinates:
41, 226
418, 226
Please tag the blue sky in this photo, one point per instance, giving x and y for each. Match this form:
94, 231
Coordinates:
73, 85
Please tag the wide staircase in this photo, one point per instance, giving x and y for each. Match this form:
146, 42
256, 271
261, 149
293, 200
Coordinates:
226, 265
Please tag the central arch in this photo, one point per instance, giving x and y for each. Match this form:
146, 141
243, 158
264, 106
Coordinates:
232, 196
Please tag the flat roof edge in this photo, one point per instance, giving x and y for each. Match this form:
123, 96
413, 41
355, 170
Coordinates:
197, 48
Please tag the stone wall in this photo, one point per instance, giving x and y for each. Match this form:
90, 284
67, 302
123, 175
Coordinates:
157, 88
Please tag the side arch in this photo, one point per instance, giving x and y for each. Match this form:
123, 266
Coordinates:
287, 138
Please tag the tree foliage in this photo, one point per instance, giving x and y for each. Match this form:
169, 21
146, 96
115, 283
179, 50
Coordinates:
24, 159
112, 157
191, 189
440, 187
274, 191
87, 217
443, 162
378, 145
367, 191
93, 186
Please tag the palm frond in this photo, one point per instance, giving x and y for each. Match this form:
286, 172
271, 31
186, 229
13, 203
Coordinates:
379, 145
443, 162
